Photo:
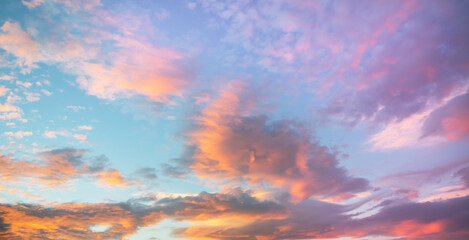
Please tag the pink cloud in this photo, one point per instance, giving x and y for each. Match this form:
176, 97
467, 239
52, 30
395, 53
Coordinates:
58, 167
450, 121
381, 61
134, 66
32, 3
137, 68
20, 44
417, 65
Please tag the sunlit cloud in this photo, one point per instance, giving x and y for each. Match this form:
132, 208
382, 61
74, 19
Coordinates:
58, 167
233, 144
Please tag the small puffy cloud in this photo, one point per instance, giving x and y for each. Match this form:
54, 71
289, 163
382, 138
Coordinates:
24, 84
54, 134
19, 134
147, 173
84, 128
32, 97
3, 90
6, 77
10, 112
45, 92
64, 133
81, 137
32, 3
111, 178
75, 108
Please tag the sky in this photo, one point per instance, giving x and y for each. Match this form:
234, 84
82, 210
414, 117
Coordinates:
234, 119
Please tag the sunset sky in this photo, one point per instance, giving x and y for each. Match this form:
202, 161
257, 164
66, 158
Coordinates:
234, 119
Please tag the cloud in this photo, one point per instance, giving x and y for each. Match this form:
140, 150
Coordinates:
85, 128
463, 173
357, 54
6, 78
58, 167
401, 134
75, 108
24, 84
428, 220
20, 44
136, 68
450, 121
111, 178
132, 66
413, 131
393, 85
76, 220
3, 90
19, 134
236, 214
67, 221
54, 134
230, 144
32, 3
64, 133
81, 137
73, 6
147, 173
9, 111
32, 97
312, 219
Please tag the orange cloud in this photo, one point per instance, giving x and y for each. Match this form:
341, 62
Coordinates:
76, 220
112, 178
68, 221
58, 167
233, 144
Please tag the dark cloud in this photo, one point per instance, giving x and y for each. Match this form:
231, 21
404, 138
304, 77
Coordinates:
463, 173
147, 173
